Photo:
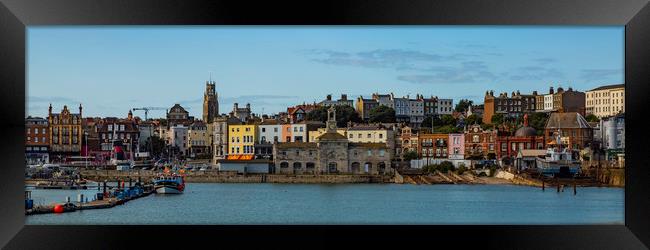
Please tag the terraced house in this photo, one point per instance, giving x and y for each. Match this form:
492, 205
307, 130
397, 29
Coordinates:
242, 139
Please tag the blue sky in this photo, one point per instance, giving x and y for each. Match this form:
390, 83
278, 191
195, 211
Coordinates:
111, 69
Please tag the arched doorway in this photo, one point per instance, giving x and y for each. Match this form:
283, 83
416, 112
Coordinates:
310, 167
381, 167
368, 167
331, 167
297, 167
284, 167
355, 167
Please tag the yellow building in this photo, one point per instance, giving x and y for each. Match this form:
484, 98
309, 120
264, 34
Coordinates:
241, 139
605, 101
316, 133
370, 134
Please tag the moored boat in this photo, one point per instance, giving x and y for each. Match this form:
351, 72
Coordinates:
169, 184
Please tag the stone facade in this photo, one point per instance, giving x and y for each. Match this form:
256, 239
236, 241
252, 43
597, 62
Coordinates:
606, 100
331, 153
65, 131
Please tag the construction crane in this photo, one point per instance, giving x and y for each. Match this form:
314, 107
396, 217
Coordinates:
146, 110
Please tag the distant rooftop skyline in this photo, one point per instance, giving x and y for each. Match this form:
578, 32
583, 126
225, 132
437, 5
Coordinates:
111, 69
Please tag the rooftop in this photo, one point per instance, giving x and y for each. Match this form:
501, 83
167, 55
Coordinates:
613, 86
295, 145
566, 120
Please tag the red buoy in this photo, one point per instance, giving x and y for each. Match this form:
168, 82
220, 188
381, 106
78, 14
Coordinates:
58, 208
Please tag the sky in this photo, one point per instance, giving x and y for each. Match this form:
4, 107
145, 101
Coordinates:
112, 69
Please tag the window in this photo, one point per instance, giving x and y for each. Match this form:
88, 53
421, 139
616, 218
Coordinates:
382, 152
295, 129
110, 127
504, 147
369, 135
369, 152
43, 130
359, 135
351, 136
35, 139
29, 138
381, 136
263, 129
475, 138
301, 129
275, 129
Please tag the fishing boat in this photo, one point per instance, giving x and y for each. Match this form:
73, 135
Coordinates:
169, 184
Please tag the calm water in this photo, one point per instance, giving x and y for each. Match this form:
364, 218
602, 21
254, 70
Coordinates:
214, 203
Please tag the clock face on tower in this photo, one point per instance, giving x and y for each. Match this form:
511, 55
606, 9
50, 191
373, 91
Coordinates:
332, 126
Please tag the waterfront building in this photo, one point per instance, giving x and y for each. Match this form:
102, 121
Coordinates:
525, 137
243, 114
244, 165
210, 102
331, 153
548, 100
242, 139
340, 102
199, 139
220, 136
37, 142
371, 134
409, 141
65, 132
433, 145
91, 143
605, 100
116, 131
480, 143
445, 106
364, 106
318, 132
178, 114
270, 131
456, 146
573, 129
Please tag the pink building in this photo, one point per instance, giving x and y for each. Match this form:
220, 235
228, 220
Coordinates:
456, 146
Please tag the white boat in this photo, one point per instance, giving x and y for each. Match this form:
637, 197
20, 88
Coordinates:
558, 162
169, 184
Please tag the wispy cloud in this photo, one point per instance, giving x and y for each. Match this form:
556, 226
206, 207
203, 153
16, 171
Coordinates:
545, 60
535, 73
600, 74
466, 72
398, 59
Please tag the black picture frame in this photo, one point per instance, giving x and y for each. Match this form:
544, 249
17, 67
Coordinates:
15, 15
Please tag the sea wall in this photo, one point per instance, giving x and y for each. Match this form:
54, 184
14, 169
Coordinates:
612, 176
220, 177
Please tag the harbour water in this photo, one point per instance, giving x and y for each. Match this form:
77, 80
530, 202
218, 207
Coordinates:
279, 204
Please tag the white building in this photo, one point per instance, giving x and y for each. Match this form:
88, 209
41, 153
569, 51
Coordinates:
548, 102
606, 100
269, 133
178, 138
613, 132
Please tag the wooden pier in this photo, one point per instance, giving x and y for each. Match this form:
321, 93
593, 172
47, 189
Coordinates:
107, 202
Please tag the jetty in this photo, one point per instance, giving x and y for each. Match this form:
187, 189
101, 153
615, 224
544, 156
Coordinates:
117, 197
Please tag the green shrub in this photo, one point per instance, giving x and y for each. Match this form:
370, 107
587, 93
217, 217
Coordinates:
461, 169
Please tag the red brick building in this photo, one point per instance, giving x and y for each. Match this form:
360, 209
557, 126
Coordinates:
479, 143
526, 137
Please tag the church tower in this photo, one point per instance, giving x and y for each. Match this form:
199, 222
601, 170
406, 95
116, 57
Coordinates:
210, 102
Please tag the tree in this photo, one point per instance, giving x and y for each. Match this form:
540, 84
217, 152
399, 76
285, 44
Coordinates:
410, 155
446, 166
435, 119
448, 120
473, 118
344, 114
463, 105
592, 118
497, 119
382, 114
158, 145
